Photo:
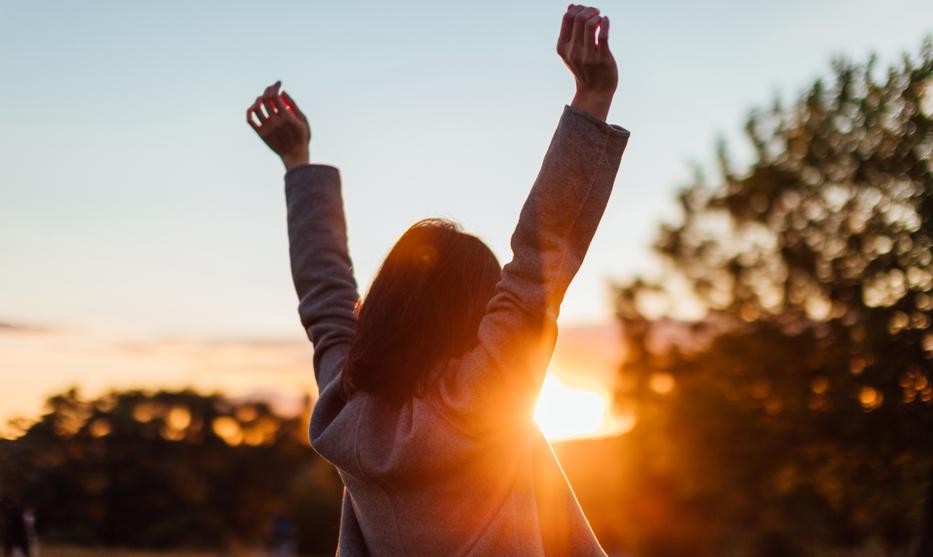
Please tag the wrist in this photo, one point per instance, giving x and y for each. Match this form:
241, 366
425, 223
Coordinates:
293, 160
596, 103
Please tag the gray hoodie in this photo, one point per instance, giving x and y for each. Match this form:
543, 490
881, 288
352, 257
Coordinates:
461, 469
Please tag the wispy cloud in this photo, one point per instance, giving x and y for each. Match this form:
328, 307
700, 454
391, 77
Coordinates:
7, 327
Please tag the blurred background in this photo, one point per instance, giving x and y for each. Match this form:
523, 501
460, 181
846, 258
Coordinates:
745, 359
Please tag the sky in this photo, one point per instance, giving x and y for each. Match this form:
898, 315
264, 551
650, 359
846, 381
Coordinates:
136, 205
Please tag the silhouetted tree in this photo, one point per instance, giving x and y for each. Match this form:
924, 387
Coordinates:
800, 408
170, 469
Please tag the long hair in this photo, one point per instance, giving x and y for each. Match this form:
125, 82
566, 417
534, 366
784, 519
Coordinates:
425, 304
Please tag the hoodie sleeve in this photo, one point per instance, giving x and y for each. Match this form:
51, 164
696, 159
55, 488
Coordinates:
493, 387
321, 266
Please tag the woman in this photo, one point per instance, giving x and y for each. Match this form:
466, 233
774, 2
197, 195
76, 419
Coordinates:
427, 386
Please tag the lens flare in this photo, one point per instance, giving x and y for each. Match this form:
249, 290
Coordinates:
577, 409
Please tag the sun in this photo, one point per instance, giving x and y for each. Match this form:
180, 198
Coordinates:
582, 409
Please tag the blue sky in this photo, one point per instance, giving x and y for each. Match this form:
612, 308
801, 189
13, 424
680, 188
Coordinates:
134, 199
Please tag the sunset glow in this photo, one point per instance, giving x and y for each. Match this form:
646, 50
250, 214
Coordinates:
568, 410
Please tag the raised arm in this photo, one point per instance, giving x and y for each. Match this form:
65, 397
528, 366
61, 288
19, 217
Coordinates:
494, 386
317, 233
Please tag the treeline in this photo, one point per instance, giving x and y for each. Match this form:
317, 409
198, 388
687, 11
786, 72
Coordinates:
169, 470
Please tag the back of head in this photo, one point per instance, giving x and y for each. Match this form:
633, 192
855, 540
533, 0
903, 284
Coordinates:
425, 304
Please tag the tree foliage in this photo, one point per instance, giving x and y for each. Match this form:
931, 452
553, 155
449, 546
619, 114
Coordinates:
803, 407
169, 470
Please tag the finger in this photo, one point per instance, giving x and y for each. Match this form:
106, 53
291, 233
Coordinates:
589, 33
267, 97
579, 21
604, 38
267, 94
257, 109
604, 34
250, 118
566, 25
277, 99
290, 103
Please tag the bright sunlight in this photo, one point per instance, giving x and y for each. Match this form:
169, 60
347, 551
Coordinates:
583, 409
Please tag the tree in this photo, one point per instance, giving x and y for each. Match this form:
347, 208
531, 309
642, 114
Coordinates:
168, 470
803, 407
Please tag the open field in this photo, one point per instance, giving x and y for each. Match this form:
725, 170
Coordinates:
74, 551
71, 551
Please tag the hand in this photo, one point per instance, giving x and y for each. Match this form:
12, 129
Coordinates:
279, 122
591, 62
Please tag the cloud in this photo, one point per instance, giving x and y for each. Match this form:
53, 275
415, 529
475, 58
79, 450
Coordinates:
7, 327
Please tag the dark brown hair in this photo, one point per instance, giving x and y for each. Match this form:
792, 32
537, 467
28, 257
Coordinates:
425, 304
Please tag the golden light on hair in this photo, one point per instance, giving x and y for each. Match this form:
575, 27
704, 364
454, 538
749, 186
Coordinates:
425, 256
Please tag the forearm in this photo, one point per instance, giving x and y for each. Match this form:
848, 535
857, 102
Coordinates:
564, 206
495, 384
320, 262
583, 156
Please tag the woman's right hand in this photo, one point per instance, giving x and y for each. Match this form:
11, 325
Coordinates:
281, 125
591, 61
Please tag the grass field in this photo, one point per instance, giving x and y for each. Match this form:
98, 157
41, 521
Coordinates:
73, 551
70, 551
